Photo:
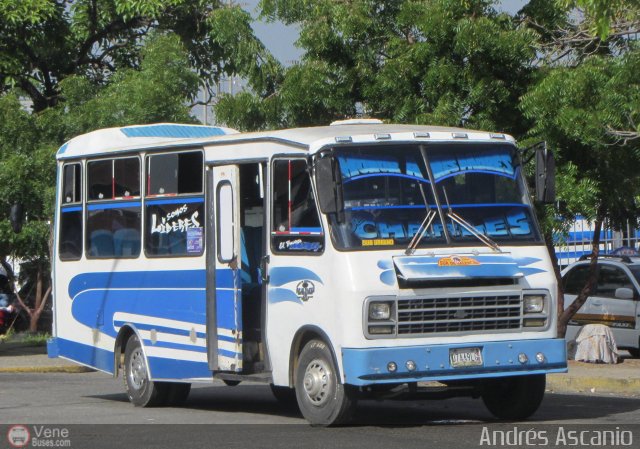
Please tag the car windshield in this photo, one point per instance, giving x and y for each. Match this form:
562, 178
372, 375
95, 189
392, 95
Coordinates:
388, 191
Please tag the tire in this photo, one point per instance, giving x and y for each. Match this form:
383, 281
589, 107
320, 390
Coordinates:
513, 398
141, 391
176, 393
231, 383
322, 399
285, 396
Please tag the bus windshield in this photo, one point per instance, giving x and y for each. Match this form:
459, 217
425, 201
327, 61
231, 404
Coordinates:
388, 192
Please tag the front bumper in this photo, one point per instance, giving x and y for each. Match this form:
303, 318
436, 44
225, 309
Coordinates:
500, 358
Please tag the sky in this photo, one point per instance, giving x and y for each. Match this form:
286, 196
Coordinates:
280, 39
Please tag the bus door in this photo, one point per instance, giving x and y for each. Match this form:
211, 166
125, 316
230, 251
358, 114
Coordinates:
224, 300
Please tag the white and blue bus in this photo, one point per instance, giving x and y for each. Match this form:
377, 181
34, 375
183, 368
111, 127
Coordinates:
333, 263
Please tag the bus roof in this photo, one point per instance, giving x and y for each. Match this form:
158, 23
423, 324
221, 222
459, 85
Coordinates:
163, 135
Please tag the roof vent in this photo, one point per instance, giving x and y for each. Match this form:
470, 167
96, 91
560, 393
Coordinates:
357, 121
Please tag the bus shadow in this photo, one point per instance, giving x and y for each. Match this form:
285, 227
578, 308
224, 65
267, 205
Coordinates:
257, 399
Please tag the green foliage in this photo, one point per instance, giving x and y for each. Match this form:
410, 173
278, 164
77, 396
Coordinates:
577, 110
43, 42
416, 61
25, 162
603, 13
158, 91
25, 12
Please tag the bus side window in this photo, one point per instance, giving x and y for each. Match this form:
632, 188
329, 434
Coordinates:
296, 224
174, 204
114, 208
70, 240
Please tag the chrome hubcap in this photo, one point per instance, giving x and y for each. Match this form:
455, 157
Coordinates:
137, 369
317, 382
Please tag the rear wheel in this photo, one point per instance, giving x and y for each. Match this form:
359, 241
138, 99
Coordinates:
322, 399
141, 391
514, 398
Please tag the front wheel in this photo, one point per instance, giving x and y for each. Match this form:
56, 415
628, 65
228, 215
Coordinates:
322, 399
514, 398
141, 391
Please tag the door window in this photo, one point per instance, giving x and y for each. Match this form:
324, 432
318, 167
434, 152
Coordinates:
296, 224
611, 278
575, 279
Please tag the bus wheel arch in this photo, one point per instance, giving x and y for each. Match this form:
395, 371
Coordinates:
304, 335
141, 390
123, 336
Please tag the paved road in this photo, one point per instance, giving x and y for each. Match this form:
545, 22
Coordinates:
75, 400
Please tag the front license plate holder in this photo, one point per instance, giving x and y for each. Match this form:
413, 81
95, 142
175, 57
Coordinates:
465, 357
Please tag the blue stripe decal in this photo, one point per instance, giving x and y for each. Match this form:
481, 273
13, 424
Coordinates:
279, 276
170, 345
114, 205
88, 355
317, 230
453, 206
171, 279
416, 206
229, 354
162, 368
160, 329
176, 295
484, 172
174, 201
172, 130
71, 209
63, 148
96, 309
385, 175
226, 338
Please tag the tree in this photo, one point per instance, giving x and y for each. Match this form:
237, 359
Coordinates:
608, 16
43, 42
430, 61
158, 90
575, 109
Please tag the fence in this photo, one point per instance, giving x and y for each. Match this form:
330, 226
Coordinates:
578, 241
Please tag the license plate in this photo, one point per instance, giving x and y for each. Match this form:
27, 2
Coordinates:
463, 357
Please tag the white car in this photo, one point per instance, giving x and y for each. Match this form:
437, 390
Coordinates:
615, 301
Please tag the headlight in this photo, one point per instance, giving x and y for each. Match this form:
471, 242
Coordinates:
379, 311
533, 303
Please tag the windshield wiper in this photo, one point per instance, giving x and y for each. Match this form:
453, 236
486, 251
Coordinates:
431, 214
462, 222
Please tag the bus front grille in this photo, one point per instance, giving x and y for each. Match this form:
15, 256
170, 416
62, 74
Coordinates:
419, 316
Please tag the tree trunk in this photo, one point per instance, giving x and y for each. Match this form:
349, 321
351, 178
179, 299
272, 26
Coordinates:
559, 290
569, 312
34, 316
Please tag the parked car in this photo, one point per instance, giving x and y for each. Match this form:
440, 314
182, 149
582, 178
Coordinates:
614, 302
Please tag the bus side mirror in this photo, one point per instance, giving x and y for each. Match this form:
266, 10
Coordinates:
15, 217
329, 185
545, 175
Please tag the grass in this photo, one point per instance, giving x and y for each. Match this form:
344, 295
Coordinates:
39, 338
35, 339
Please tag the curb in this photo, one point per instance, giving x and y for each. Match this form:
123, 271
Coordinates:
46, 369
567, 384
